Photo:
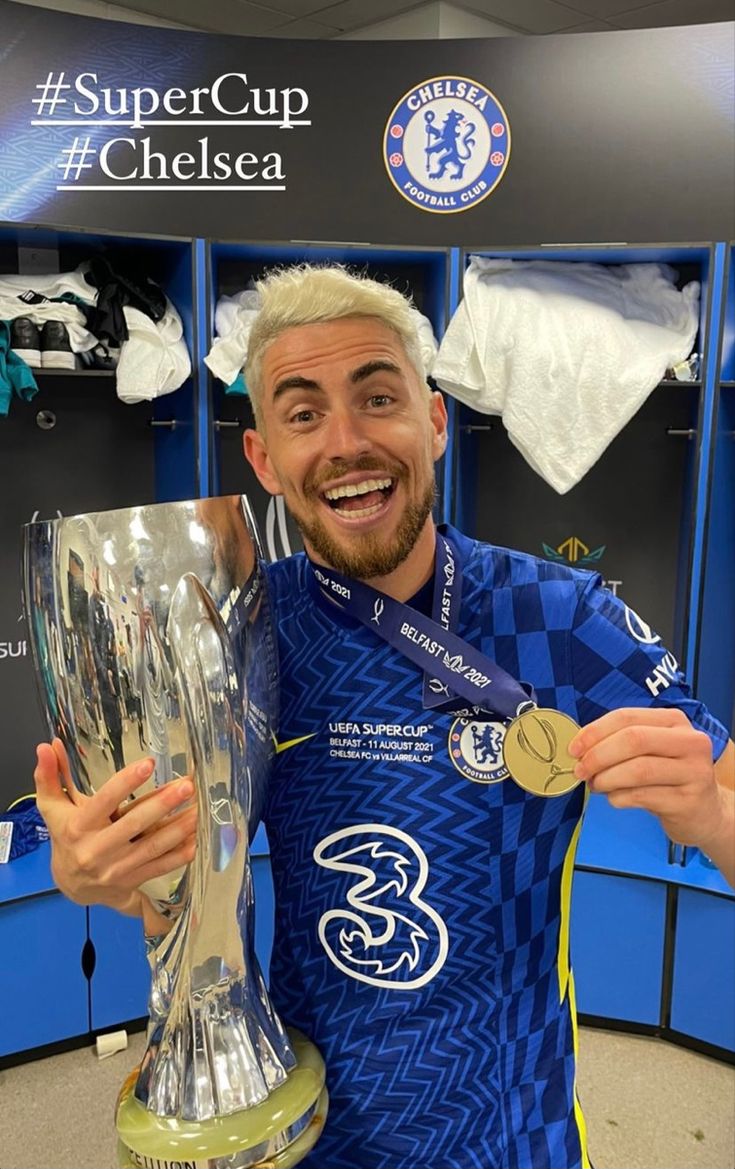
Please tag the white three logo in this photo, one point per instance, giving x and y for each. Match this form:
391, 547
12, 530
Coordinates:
388, 934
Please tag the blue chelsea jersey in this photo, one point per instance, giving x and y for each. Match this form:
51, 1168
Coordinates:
422, 898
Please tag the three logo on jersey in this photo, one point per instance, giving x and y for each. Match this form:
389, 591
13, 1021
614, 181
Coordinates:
386, 933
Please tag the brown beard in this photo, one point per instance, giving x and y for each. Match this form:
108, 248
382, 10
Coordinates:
370, 555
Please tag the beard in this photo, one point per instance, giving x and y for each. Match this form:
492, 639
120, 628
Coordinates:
370, 554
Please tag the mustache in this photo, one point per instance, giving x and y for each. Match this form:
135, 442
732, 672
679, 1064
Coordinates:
314, 482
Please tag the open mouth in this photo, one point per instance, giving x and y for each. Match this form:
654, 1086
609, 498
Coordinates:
360, 500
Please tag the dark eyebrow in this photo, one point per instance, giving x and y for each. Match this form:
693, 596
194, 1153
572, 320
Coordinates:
371, 367
295, 383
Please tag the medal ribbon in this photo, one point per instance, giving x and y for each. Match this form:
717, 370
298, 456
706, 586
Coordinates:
451, 666
243, 606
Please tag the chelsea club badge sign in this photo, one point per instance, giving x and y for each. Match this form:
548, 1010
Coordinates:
446, 144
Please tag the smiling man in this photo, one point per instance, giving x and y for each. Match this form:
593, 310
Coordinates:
422, 895
348, 432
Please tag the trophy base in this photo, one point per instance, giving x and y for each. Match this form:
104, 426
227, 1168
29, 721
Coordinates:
276, 1134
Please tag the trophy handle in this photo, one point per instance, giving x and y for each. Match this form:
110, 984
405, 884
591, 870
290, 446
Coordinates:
215, 1044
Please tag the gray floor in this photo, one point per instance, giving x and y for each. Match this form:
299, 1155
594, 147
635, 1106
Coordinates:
648, 1105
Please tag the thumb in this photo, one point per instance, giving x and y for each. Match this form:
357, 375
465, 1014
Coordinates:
47, 778
64, 770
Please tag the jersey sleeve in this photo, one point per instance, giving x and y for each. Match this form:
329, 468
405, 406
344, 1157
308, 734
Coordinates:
618, 660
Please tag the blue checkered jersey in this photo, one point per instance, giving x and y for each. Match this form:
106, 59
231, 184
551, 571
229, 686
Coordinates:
422, 898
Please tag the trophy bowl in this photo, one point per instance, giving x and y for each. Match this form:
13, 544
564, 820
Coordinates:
152, 637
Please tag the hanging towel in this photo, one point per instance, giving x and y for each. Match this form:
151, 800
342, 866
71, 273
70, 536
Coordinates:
565, 352
233, 321
154, 360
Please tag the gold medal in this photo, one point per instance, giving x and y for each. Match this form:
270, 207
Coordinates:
536, 755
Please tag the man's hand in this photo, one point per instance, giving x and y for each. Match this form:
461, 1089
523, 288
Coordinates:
101, 852
654, 758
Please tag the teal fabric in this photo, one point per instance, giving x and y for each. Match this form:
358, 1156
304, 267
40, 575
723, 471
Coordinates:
238, 386
15, 376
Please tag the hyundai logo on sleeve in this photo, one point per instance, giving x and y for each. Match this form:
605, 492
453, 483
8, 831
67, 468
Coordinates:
639, 629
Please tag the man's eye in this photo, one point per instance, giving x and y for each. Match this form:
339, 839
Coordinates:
302, 417
380, 400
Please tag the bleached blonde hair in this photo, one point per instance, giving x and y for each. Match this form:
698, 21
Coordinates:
307, 294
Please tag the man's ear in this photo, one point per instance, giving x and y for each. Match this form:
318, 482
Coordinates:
438, 413
257, 455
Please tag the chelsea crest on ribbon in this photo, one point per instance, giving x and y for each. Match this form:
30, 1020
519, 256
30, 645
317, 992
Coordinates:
446, 144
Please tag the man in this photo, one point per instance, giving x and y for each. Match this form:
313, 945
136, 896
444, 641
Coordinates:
422, 903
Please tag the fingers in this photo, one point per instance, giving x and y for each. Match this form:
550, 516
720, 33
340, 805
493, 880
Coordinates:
167, 863
102, 849
59, 751
617, 720
645, 771
119, 788
117, 857
147, 814
644, 757
638, 745
72, 793
46, 777
54, 781
158, 852
137, 802
656, 800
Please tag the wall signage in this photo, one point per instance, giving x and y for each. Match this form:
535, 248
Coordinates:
169, 132
446, 144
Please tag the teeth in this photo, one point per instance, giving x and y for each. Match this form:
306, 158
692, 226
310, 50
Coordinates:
359, 513
358, 488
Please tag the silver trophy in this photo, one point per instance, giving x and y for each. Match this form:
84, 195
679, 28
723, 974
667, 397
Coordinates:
152, 637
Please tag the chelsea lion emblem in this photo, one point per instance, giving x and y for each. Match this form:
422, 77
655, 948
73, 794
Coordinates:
476, 749
446, 144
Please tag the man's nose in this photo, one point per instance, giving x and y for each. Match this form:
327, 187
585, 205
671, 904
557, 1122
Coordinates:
347, 435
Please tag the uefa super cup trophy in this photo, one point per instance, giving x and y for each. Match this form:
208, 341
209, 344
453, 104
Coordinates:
152, 637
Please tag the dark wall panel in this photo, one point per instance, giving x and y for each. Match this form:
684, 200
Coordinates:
615, 136
634, 503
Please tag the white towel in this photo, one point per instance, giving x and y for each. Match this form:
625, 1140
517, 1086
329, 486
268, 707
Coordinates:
233, 321
565, 352
154, 360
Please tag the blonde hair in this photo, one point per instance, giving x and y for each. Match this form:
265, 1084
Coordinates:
306, 294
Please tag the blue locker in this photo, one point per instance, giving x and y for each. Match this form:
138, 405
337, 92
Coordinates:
122, 977
617, 941
703, 998
43, 991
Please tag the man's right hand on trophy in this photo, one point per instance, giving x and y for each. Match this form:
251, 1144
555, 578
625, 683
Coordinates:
103, 848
